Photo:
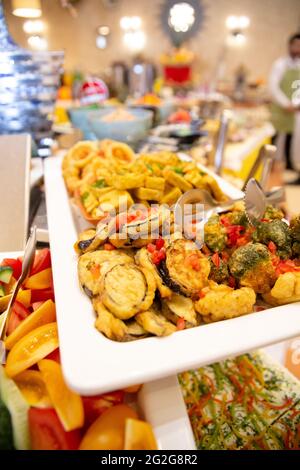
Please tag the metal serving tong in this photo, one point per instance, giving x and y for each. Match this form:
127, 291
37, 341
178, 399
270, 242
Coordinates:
255, 202
26, 266
201, 196
265, 158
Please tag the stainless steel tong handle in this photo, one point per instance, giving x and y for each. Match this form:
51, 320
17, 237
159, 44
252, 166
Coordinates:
26, 266
265, 158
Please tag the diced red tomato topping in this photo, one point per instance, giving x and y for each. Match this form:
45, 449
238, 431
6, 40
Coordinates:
224, 221
47, 432
233, 233
225, 256
109, 247
216, 259
287, 266
158, 256
231, 282
151, 248
272, 247
160, 242
193, 261
180, 324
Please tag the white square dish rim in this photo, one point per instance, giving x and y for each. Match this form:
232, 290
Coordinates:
83, 348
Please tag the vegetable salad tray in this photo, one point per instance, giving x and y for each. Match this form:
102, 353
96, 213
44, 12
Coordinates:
93, 363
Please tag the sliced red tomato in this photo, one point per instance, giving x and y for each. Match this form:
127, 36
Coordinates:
15, 264
47, 432
95, 406
36, 305
40, 295
54, 356
42, 261
18, 314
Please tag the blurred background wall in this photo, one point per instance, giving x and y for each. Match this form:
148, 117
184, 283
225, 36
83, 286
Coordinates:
272, 21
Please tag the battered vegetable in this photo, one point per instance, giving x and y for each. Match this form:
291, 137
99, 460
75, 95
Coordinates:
277, 232
215, 234
295, 235
251, 266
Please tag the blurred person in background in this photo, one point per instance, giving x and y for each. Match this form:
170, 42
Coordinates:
284, 86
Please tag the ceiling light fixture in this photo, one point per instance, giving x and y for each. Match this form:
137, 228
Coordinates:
27, 8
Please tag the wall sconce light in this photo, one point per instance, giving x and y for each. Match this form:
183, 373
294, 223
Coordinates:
134, 38
33, 26
27, 8
102, 37
37, 43
237, 26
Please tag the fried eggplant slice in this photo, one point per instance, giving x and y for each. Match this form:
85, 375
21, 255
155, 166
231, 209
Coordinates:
112, 327
143, 258
134, 329
84, 240
155, 323
127, 289
183, 307
185, 270
92, 266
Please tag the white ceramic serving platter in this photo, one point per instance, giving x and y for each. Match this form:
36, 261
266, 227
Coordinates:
94, 364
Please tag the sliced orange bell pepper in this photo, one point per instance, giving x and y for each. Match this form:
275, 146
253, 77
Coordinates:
43, 315
32, 348
68, 405
41, 280
33, 388
139, 435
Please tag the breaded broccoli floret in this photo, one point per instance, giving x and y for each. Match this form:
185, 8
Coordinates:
237, 218
215, 234
272, 213
276, 231
295, 235
219, 274
251, 265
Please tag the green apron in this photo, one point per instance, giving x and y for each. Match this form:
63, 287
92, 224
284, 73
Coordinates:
282, 120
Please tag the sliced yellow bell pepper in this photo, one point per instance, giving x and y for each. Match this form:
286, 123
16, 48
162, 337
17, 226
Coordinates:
24, 296
33, 388
68, 405
139, 435
43, 315
41, 280
32, 348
